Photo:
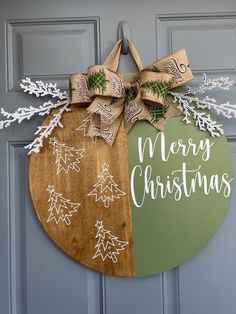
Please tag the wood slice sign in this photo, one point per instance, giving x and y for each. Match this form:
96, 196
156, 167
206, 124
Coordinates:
179, 190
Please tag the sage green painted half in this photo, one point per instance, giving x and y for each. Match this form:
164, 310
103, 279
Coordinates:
166, 232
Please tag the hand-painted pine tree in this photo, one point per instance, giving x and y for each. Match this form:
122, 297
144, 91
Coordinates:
108, 245
84, 126
67, 157
106, 189
61, 209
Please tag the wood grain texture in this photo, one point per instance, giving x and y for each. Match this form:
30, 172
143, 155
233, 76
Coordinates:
78, 239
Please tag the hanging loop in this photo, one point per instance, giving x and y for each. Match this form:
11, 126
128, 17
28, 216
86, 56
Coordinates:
124, 34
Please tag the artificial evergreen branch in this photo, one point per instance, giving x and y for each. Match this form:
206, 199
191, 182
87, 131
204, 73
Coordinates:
41, 89
45, 130
191, 95
22, 114
227, 110
202, 119
188, 101
208, 84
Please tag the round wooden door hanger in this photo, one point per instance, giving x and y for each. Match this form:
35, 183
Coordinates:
179, 191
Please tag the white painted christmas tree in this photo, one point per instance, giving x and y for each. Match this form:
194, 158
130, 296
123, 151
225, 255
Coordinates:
108, 245
106, 189
61, 209
67, 157
84, 126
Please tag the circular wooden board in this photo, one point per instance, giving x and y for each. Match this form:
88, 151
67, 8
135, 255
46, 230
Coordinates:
156, 232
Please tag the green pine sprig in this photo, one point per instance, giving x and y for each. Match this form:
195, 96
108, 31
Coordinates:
157, 112
158, 87
97, 80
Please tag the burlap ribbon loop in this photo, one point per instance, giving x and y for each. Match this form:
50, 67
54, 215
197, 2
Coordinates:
111, 99
104, 82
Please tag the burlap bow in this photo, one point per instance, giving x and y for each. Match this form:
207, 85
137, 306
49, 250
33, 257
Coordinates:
112, 99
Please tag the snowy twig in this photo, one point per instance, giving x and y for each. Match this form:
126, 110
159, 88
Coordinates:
202, 120
38, 89
207, 84
22, 114
45, 130
41, 89
191, 95
227, 110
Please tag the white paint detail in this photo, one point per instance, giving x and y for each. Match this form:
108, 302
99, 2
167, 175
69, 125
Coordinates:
67, 157
61, 209
108, 245
106, 189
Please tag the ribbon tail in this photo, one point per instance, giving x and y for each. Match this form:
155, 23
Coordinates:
171, 112
107, 116
135, 110
177, 65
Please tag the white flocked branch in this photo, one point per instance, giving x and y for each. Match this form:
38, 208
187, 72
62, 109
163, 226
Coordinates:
189, 102
208, 84
39, 89
202, 119
22, 114
44, 131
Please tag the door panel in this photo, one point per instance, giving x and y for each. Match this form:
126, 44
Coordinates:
48, 41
